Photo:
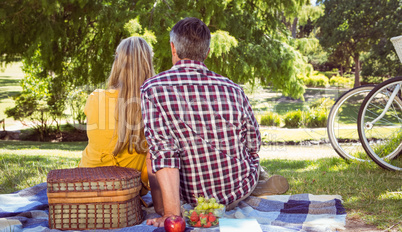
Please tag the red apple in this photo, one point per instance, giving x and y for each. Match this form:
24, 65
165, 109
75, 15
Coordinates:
175, 224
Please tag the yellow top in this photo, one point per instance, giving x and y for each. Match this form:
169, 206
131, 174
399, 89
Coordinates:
101, 123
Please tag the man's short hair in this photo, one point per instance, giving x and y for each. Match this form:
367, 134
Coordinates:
191, 38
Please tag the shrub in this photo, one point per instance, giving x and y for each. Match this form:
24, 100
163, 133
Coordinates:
372, 80
317, 114
270, 119
36, 111
316, 117
76, 100
317, 80
330, 74
323, 102
293, 119
341, 82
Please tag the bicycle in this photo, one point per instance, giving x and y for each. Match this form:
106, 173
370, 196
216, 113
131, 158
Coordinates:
380, 120
341, 126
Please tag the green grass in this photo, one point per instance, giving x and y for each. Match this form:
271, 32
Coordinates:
25, 164
369, 192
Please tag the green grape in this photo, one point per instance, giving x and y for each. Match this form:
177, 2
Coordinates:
221, 206
200, 200
216, 205
212, 200
205, 206
210, 205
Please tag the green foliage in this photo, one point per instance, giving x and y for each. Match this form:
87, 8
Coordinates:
253, 86
315, 116
343, 82
270, 119
28, 107
330, 74
262, 49
134, 28
77, 38
293, 119
76, 100
347, 28
35, 105
322, 103
221, 43
316, 80
372, 79
311, 48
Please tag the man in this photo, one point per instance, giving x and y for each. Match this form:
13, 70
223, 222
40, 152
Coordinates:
200, 128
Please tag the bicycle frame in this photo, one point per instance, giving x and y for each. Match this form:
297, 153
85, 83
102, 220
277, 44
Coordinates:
369, 125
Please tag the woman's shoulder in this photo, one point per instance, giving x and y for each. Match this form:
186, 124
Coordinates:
103, 92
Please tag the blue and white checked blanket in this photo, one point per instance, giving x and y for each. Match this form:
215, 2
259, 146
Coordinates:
27, 210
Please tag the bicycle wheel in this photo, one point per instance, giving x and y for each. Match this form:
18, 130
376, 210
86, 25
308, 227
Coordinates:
382, 138
341, 126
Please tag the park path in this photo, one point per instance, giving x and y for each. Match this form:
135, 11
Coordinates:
297, 152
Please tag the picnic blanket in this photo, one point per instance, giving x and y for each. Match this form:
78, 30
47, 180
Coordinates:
27, 210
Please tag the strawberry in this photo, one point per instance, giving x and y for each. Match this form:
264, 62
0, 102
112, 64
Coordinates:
198, 224
207, 225
194, 217
211, 218
203, 219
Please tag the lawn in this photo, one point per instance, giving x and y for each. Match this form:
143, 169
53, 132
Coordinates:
369, 192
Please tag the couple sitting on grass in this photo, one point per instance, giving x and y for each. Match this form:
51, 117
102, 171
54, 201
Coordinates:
189, 131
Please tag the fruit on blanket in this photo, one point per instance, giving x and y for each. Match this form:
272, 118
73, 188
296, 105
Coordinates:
175, 224
205, 213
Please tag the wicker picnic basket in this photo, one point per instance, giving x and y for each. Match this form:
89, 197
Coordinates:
94, 198
397, 42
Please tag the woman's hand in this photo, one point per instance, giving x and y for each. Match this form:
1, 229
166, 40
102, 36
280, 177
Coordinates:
158, 222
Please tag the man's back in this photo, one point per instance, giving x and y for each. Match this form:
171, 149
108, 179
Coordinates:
202, 123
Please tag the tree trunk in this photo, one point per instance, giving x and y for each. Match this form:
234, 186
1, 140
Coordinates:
356, 57
294, 27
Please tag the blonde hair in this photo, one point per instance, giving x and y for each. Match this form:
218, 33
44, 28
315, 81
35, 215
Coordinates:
131, 67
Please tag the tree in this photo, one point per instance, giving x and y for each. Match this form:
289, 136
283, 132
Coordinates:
257, 44
76, 38
355, 26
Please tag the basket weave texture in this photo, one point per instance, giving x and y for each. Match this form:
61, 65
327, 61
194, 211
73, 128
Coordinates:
94, 198
397, 42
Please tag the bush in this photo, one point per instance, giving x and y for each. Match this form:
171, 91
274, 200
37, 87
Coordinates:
270, 119
36, 111
317, 80
316, 117
330, 74
293, 119
76, 100
372, 80
339, 81
325, 103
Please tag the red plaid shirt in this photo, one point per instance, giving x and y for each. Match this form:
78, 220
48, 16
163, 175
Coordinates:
201, 123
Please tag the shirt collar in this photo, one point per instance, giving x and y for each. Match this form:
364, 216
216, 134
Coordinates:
189, 64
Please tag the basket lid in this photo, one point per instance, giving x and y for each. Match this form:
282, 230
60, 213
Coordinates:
93, 179
106, 173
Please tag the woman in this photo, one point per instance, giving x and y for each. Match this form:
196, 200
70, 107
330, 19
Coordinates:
114, 121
